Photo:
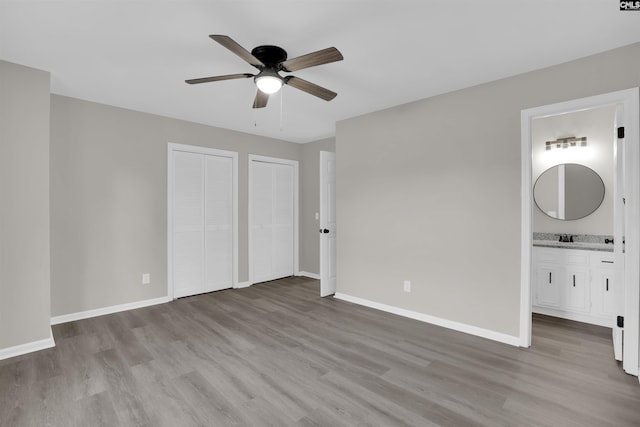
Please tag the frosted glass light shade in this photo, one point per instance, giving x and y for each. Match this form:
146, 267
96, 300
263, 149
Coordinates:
268, 84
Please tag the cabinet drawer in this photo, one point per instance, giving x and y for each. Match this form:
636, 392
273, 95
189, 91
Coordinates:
562, 256
549, 256
605, 260
577, 258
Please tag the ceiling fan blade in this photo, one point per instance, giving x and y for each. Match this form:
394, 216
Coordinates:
234, 47
324, 56
218, 78
310, 88
261, 99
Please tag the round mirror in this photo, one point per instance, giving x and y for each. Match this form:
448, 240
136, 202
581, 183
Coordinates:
568, 191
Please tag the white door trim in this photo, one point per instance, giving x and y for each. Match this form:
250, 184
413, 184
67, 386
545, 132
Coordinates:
629, 99
172, 148
294, 164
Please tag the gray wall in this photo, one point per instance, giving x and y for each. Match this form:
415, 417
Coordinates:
24, 205
430, 192
310, 203
109, 199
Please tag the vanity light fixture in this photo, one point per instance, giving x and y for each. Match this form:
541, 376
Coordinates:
570, 141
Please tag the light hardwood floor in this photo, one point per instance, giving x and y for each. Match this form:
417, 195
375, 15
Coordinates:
276, 354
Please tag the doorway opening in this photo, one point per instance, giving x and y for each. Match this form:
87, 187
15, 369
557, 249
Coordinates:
626, 218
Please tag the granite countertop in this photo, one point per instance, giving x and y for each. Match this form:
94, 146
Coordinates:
586, 246
586, 242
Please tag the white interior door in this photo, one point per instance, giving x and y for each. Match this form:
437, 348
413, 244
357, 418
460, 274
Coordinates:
261, 221
617, 301
188, 224
273, 219
282, 220
218, 224
327, 223
202, 217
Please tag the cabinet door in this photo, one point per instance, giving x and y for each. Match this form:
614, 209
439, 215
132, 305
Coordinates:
575, 289
603, 293
547, 289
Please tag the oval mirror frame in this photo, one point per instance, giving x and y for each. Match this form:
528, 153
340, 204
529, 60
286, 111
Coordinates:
568, 191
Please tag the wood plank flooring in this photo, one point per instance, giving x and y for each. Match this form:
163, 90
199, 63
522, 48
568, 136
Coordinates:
276, 354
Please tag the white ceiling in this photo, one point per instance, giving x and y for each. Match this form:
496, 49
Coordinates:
137, 54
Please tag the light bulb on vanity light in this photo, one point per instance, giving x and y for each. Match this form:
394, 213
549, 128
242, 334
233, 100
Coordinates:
570, 141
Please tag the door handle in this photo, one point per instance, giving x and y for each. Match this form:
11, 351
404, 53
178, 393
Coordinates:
324, 230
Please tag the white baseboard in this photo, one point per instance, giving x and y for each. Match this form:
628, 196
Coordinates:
17, 350
107, 310
309, 275
450, 324
242, 285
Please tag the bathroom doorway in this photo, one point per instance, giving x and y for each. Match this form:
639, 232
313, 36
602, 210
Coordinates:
623, 200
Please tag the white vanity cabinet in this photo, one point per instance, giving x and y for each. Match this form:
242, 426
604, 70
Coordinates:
574, 284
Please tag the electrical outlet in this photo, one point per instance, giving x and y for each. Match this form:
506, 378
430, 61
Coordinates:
146, 278
407, 286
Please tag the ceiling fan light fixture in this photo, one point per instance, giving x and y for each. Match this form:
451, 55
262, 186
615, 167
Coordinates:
268, 84
269, 60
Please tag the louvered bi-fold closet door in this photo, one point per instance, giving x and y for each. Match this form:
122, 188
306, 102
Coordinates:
202, 223
282, 220
272, 221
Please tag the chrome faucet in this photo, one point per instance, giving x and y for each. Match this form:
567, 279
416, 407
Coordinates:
565, 238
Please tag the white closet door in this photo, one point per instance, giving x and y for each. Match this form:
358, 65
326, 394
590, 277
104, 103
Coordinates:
282, 220
218, 223
188, 221
262, 221
272, 221
202, 223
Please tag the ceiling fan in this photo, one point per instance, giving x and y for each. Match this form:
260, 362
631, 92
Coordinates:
270, 60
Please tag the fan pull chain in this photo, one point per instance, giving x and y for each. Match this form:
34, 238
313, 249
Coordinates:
281, 102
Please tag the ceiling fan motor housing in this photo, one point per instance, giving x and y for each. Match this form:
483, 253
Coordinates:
271, 56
